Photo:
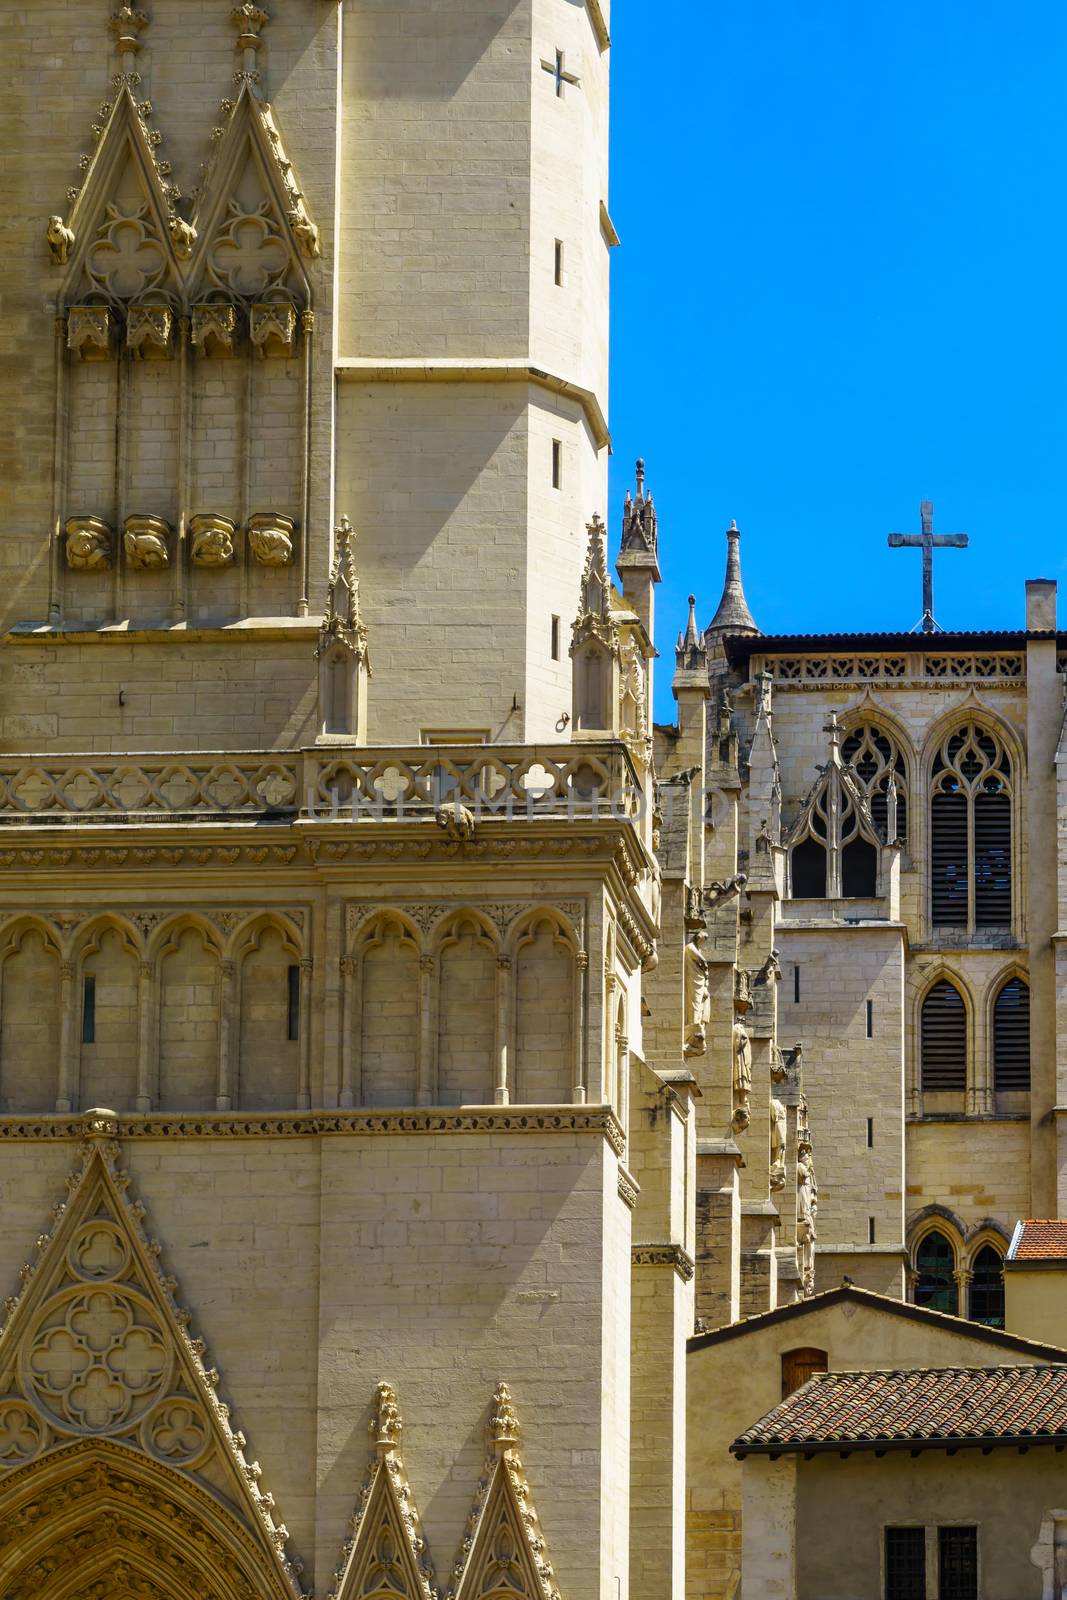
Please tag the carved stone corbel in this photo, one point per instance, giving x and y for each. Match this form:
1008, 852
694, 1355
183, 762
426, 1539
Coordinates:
272, 327
214, 328
89, 332
270, 538
88, 544
148, 332
144, 540
212, 540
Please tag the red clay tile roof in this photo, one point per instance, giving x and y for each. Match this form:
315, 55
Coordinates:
924, 1408
1040, 1240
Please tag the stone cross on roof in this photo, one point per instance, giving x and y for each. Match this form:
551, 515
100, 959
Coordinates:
927, 541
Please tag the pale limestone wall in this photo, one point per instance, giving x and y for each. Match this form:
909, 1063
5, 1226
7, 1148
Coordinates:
733, 1381
975, 1169
1005, 1494
313, 1268
849, 1078
249, 690
29, 1024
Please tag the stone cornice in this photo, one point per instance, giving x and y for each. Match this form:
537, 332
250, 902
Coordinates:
598, 1120
251, 630
484, 369
664, 1255
600, 23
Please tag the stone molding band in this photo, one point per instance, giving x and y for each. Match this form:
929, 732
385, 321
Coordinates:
664, 1255
162, 1125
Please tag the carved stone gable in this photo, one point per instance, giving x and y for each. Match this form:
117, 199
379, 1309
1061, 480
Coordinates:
95, 1351
385, 1554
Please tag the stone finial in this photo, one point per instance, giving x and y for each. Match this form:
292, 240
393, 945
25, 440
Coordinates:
733, 615
385, 1425
690, 653
249, 20
503, 1422
640, 535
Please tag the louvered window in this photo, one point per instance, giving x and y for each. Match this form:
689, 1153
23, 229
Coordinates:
878, 767
970, 832
1011, 1037
944, 1039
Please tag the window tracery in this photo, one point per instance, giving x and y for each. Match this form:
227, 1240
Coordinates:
971, 831
879, 768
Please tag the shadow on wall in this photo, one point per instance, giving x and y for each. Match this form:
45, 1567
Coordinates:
412, 49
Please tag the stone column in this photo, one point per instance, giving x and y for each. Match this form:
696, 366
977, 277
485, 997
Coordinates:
67, 1035
581, 1005
501, 1093
227, 983
427, 1064
351, 1063
145, 1052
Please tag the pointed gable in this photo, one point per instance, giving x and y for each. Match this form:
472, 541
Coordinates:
386, 1553
95, 1351
123, 216
251, 222
504, 1552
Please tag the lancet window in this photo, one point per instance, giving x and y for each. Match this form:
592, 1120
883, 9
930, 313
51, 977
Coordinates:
879, 769
970, 831
1011, 1037
935, 1285
834, 842
943, 1039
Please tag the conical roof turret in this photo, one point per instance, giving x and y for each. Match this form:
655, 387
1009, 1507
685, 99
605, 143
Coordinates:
733, 615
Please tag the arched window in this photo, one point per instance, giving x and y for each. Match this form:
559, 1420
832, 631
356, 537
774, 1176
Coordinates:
1011, 1037
970, 831
943, 1039
987, 1288
935, 1285
879, 769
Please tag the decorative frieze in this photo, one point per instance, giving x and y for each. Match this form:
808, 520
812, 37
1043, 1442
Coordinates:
664, 1255
890, 668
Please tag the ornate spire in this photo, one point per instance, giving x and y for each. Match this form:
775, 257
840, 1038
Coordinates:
640, 535
689, 652
594, 619
733, 615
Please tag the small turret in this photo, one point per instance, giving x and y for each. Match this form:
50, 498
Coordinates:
640, 539
733, 615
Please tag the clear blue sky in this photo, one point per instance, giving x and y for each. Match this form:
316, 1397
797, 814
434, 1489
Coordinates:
841, 289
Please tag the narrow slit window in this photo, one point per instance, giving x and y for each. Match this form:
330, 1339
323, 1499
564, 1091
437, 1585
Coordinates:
870, 1019
555, 639
870, 1133
558, 264
796, 985
870, 1230
557, 464
89, 1010
293, 1017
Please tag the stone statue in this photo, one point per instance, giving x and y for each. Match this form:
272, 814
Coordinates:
270, 538
778, 1138
88, 544
307, 235
212, 540
697, 996
807, 1210
144, 540
456, 821
726, 707
742, 1063
183, 237
60, 240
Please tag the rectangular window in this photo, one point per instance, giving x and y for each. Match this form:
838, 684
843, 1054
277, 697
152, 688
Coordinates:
870, 1019
905, 1564
796, 984
957, 1563
870, 1230
870, 1133
293, 1028
558, 270
88, 1011
557, 464
555, 638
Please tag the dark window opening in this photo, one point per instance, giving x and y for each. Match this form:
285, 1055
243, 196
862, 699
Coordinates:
870, 1133
957, 1563
557, 464
935, 1285
987, 1288
944, 1039
558, 268
870, 1019
870, 1230
859, 870
796, 984
905, 1564
1011, 1037
89, 1011
800, 1365
992, 860
809, 870
293, 1018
